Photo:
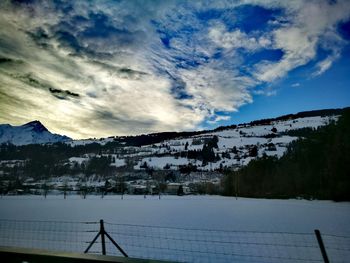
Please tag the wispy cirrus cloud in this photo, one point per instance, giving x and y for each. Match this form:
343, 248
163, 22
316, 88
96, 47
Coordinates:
100, 68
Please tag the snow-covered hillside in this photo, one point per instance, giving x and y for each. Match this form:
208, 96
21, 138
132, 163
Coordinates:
236, 147
30, 133
137, 164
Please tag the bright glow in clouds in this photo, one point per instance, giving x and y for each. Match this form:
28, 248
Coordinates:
101, 68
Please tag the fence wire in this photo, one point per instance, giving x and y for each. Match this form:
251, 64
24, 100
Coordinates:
198, 245
175, 244
338, 247
50, 235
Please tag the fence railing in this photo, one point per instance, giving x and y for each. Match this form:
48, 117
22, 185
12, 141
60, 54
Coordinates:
175, 243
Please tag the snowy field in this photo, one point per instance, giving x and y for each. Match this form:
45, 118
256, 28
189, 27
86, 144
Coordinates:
230, 229
210, 212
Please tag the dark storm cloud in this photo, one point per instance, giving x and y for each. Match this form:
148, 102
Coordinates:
6, 63
123, 121
63, 94
94, 36
5, 60
32, 81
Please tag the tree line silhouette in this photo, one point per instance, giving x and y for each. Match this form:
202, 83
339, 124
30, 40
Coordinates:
315, 166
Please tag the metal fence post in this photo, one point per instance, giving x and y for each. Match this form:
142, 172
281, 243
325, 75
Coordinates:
102, 231
116, 245
92, 242
321, 245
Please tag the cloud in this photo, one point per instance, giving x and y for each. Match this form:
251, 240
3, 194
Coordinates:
219, 118
311, 26
128, 67
231, 90
236, 39
298, 49
323, 66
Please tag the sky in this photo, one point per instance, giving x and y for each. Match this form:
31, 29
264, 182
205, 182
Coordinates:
105, 68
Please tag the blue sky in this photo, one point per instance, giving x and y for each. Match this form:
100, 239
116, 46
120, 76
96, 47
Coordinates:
299, 92
101, 68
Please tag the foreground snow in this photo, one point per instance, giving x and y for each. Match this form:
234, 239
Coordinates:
224, 219
210, 212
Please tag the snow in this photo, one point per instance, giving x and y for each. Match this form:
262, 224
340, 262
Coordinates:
255, 131
203, 212
78, 160
230, 142
242, 137
101, 141
29, 133
118, 162
281, 126
224, 144
211, 212
160, 162
195, 228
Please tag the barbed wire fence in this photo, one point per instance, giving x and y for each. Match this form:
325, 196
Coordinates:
173, 243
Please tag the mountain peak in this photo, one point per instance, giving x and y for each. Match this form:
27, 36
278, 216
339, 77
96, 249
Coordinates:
33, 132
36, 126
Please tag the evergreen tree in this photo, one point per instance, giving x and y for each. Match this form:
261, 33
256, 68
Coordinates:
180, 190
315, 166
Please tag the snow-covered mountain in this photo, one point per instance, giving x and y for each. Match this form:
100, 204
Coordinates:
29, 133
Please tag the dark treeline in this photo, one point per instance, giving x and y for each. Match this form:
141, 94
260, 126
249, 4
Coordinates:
147, 139
50, 152
315, 166
51, 159
41, 161
206, 154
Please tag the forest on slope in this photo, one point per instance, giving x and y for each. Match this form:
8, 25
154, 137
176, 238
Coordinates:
315, 166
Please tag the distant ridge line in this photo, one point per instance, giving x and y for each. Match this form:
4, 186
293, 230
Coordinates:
151, 138
302, 114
